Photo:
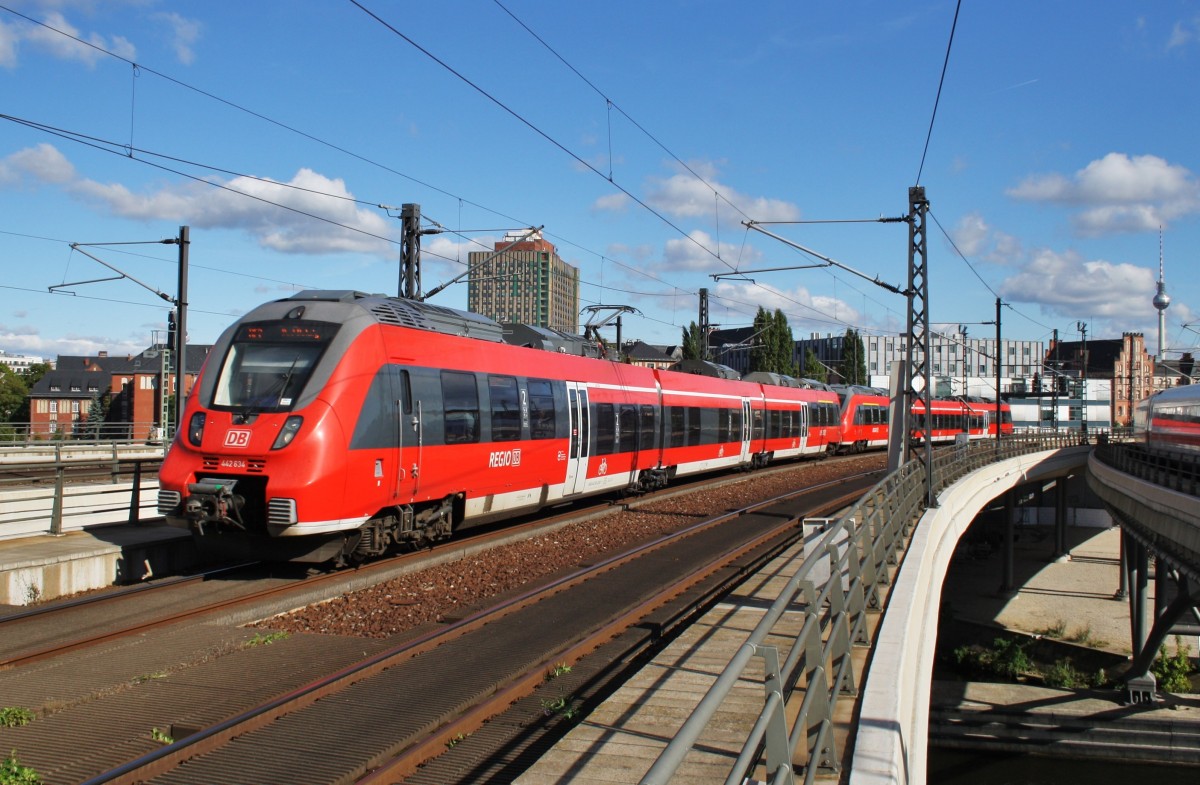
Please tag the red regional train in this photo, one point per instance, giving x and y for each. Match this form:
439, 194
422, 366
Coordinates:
865, 418
330, 425
1169, 419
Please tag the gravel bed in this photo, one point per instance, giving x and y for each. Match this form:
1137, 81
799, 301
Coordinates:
432, 595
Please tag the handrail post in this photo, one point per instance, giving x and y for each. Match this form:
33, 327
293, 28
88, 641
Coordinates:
135, 496
56, 511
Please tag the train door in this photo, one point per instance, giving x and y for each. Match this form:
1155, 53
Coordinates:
745, 430
580, 431
409, 437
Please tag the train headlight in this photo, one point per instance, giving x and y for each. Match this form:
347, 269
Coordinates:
291, 427
196, 429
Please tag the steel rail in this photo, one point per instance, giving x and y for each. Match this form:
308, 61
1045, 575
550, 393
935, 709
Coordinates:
209, 739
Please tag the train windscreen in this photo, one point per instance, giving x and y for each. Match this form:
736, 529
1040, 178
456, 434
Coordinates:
269, 363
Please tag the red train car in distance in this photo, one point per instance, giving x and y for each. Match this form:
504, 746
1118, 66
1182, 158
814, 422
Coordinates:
331, 425
865, 418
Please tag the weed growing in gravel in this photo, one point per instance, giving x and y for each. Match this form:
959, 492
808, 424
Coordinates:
1085, 637
561, 706
150, 676
13, 773
266, 639
453, 742
561, 669
1057, 630
160, 737
15, 716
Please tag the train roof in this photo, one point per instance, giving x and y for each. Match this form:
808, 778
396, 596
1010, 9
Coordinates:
705, 368
549, 340
783, 380
1177, 394
418, 315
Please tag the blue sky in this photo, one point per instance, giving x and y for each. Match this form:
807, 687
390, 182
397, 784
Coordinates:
640, 135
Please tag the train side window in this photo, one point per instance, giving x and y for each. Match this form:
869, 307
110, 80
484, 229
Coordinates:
460, 401
756, 424
693, 426
541, 409
678, 431
604, 420
723, 423
627, 429
647, 427
506, 408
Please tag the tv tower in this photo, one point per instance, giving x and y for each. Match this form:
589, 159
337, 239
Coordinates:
1161, 300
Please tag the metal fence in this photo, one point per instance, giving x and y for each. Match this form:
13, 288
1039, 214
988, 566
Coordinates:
841, 579
55, 488
18, 434
1178, 470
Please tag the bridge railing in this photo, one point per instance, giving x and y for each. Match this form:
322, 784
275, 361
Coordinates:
60, 488
1178, 470
844, 576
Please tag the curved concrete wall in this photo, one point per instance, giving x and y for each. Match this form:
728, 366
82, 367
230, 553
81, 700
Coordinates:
893, 725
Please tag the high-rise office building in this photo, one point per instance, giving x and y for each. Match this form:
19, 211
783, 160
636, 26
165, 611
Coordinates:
526, 283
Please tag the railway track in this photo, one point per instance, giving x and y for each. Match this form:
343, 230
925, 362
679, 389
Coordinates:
478, 636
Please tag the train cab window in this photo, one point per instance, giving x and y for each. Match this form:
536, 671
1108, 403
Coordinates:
506, 408
541, 409
269, 363
460, 402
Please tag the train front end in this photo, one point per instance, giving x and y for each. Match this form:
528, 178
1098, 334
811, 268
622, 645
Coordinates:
257, 459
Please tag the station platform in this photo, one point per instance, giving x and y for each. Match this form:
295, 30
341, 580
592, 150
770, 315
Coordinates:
46, 567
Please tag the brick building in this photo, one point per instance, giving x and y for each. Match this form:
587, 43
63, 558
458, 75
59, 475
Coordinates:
128, 389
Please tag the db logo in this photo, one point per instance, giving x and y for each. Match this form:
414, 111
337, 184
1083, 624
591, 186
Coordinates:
237, 438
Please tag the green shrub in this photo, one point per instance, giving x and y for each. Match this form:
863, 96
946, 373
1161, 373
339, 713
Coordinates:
1010, 658
1062, 674
1171, 673
15, 716
13, 773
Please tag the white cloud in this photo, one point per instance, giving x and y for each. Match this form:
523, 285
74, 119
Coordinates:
618, 202
698, 252
310, 214
185, 34
1067, 285
1118, 193
74, 45
1183, 33
27, 340
8, 45
43, 163
805, 311
977, 240
683, 195
970, 234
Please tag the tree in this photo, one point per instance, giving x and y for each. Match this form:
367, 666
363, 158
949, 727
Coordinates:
13, 392
813, 369
773, 344
854, 358
691, 342
31, 376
